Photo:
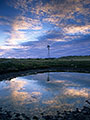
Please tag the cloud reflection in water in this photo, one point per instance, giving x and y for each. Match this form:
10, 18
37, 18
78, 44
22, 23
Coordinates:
34, 93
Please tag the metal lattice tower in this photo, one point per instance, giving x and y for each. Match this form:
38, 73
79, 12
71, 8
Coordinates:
48, 46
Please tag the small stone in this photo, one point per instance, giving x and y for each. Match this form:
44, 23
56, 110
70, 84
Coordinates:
9, 115
24, 116
48, 117
35, 118
17, 115
58, 112
41, 113
77, 110
88, 102
17, 119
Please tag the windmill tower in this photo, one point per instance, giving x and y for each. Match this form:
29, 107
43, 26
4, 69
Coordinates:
48, 46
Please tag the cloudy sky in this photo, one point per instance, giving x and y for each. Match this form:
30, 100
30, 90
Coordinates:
28, 26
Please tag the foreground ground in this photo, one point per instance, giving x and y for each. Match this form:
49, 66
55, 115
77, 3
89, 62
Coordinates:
83, 114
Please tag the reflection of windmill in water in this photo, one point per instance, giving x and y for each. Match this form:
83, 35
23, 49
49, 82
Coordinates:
48, 77
48, 46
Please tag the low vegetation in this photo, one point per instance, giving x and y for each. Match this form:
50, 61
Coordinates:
73, 63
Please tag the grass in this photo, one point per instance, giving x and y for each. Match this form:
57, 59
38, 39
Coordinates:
79, 63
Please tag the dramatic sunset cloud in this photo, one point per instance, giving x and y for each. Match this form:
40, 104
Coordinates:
28, 26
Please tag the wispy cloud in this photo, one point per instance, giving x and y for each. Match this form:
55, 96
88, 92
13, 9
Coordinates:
78, 29
25, 23
21, 26
60, 23
20, 4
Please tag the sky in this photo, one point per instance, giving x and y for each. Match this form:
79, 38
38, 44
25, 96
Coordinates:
28, 26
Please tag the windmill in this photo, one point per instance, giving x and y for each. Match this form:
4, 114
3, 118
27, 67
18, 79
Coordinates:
48, 46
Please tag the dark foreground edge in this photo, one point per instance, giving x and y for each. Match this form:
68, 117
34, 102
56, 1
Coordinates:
83, 114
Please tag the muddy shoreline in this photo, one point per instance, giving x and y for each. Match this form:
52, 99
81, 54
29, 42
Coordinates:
8, 76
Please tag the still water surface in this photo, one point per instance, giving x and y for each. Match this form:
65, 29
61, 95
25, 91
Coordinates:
45, 92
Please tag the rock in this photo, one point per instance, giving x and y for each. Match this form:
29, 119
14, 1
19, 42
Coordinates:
17, 119
77, 110
42, 113
88, 102
3, 116
24, 116
9, 114
58, 113
35, 118
48, 117
17, 115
